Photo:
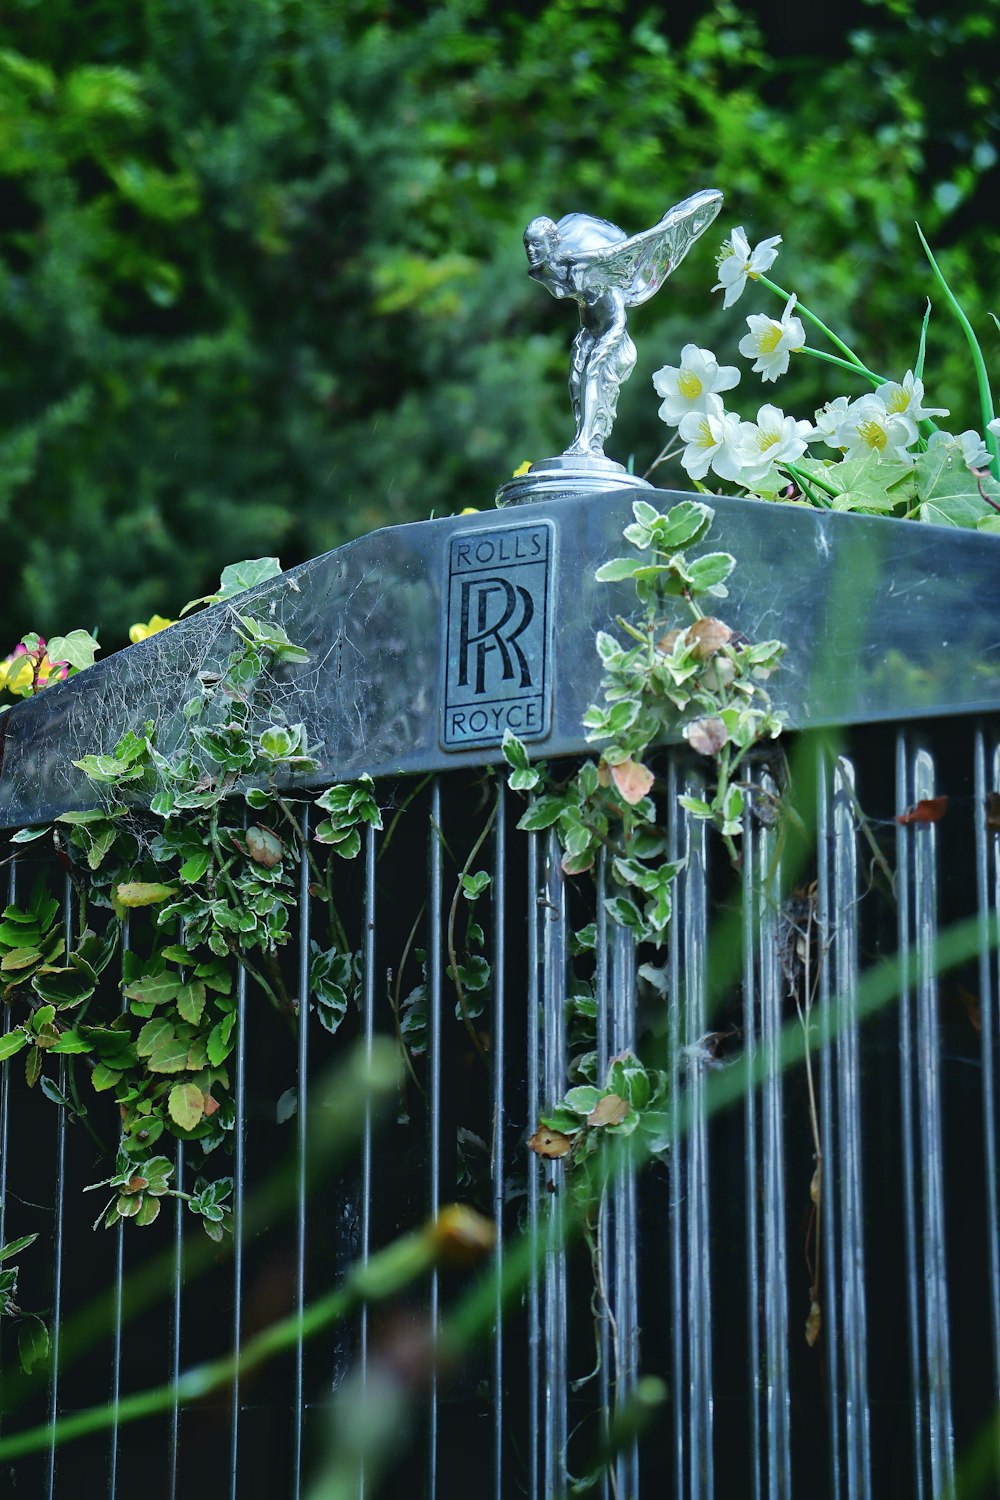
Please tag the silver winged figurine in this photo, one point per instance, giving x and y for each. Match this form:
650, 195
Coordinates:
606, 272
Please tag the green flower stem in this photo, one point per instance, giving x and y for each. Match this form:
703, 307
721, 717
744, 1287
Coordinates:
667, 451
82, 1113
805, 485
834, 359
982, 376
817, 323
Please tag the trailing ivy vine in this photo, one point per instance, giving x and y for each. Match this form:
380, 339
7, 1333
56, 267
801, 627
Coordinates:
199, 835
679, 673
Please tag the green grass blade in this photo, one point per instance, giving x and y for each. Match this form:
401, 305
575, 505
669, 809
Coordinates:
918, 368
983, 379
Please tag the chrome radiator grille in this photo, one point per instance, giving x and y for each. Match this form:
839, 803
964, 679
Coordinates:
709, 1262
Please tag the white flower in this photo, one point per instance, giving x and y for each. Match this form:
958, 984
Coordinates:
770, 342
906, 398
968, 446
772, 439
830, 422
688, 386
711, 437
994, 427
737, 261
869, 427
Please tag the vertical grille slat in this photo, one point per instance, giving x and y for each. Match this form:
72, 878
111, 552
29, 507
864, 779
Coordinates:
57, 1238
676, 1173
770, 1294
602, 992
5, 1067
701, 1265
367, 1128
841, 1207
239, 1165
624, 1289
690, 984
752, 1136
922, 1128
554, 1304
301, 1153
988, 900
176, 1313
533, 1043
119, 1272
497, 1153
434, 985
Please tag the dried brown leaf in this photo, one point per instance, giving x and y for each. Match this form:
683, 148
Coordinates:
462, 1236
973, 1007
264, 847
709, 636
927, 810
814, 1324
611, 1110
707, 736
667, 642
550, 1143
633, 780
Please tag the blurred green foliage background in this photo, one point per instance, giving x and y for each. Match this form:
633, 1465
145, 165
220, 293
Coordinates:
261, 278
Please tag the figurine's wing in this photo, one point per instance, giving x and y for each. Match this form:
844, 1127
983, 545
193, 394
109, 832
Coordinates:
639, 266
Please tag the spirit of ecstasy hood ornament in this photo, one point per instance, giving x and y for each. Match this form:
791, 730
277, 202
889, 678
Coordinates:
605, 272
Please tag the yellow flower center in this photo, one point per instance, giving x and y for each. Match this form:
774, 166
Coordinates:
872, 434
705, 438
689, 385
769, 339
767, 440
898, 401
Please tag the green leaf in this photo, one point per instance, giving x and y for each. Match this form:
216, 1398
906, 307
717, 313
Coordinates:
19, 958
620, 568
104, 1077
14, 1247
624, 911
581, 1100
170, 1055
708, 573
32, 1342
683, 524
237, 578
186, 1105
220, 1040
28, 835
514, 752
70, 1042
276, 742
158, 987
64, 987
12, 1042
191, 1001
78, 649
542, 813
134, 893
148, 1211
194, 868
152, 1034
54, 1093
107, 769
